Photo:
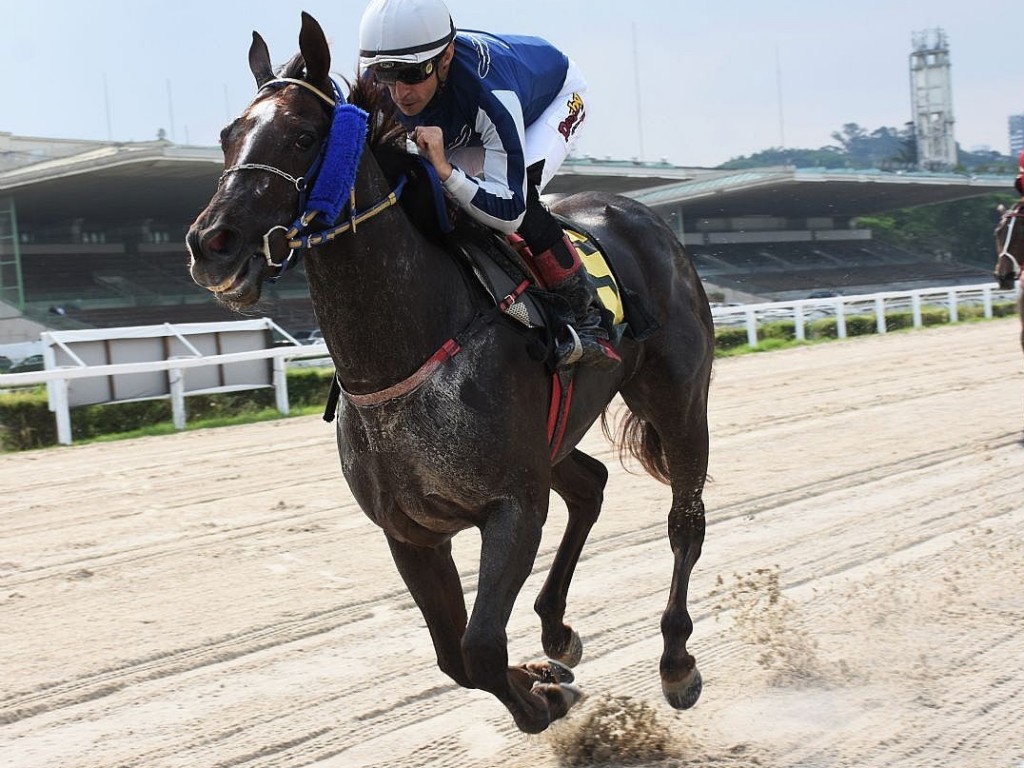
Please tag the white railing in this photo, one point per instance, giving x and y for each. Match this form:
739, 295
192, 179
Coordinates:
802, 311
750, 316
57, 379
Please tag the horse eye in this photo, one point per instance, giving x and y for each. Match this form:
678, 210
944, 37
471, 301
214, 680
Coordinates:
305, 140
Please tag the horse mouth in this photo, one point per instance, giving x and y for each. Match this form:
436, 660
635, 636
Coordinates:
243, 287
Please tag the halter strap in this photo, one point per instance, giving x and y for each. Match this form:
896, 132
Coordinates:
300, 182
279, 81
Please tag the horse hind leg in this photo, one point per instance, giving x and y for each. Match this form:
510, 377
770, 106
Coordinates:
580, 480
680, 432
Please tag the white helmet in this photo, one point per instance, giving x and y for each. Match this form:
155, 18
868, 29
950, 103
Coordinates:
404, 31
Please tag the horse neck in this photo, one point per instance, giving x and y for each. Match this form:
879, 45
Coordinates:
385, 297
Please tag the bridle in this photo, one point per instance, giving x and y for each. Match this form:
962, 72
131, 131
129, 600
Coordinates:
311, 186
1010, 219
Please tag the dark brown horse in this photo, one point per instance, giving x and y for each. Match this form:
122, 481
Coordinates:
1010, 254
442, 423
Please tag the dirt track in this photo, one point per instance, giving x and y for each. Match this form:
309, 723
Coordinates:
216, 599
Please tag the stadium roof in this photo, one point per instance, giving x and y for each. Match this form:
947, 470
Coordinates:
111, 182
803, 192
116, 182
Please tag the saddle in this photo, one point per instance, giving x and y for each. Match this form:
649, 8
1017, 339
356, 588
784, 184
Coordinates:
496, 263
502, 271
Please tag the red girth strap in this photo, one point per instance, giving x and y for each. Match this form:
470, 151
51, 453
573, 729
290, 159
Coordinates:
558, 412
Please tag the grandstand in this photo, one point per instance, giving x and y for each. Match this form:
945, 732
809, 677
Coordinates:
780, 271
92, 234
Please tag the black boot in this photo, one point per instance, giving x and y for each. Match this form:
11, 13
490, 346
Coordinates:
588, 342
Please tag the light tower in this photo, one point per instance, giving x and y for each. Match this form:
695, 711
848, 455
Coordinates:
932, 98
1016, 135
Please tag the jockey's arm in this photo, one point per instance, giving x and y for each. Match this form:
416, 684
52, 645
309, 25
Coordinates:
497, 196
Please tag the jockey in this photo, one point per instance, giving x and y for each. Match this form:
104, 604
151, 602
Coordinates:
496, 117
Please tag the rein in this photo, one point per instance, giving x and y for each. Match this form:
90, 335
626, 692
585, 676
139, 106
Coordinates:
348, 126
1012, 216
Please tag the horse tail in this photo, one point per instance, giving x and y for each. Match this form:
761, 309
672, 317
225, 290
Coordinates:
638, 438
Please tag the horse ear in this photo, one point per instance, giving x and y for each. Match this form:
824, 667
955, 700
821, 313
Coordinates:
315, 52
259, 60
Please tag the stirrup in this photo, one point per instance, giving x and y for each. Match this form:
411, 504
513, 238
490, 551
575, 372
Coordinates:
573, 355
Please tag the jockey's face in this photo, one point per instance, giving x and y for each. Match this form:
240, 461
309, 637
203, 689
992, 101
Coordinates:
411, 99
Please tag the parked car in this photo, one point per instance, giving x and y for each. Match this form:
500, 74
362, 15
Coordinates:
310, 337
30, 363
5, 364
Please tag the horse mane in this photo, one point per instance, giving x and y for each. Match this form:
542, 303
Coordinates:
384, 129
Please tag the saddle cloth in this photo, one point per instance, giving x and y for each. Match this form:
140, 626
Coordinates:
500, 282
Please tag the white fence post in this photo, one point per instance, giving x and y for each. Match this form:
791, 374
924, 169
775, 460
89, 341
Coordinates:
915, 308
798, 320
954, 314
986, 301
840, 319
58, 391
880, 314
751, 328
281, 385
176, 379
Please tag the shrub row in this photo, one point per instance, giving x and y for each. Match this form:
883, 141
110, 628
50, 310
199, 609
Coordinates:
856, 325
26, 421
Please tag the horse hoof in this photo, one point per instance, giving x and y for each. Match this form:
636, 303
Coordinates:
684, 694
569, 695
572, 653
558, 673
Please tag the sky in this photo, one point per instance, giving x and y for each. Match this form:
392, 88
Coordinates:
692, 83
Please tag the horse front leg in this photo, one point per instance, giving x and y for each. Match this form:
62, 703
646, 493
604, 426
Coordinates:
433, 581
509, 541
580, 480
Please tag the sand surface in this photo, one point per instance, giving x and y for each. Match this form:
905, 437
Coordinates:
216, 598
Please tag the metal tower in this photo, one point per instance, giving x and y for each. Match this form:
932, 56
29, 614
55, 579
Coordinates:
1016, 135
932, 98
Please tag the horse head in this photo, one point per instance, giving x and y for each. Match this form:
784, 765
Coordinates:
1009, 245
271, 154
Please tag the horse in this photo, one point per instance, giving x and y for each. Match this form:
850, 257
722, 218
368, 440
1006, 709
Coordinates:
1009, 237
443, 415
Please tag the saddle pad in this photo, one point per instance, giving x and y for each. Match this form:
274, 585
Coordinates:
597, 267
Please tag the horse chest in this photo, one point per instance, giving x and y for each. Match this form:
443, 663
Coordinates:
417, 468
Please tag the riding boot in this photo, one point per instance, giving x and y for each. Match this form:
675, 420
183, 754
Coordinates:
588, 342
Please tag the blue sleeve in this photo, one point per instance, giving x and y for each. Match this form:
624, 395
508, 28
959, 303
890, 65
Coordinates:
499, 199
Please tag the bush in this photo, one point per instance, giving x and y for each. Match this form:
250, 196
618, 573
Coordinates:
730, 338
26, 421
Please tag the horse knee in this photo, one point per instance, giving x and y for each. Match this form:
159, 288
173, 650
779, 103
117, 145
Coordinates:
485, 657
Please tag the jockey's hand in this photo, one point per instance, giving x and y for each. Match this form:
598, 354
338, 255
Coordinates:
430, 142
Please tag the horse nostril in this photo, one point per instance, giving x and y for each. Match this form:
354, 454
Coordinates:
218, 242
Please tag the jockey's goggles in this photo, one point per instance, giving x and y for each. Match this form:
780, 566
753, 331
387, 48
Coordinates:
391, 72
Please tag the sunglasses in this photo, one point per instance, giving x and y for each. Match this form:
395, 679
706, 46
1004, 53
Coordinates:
391, 72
